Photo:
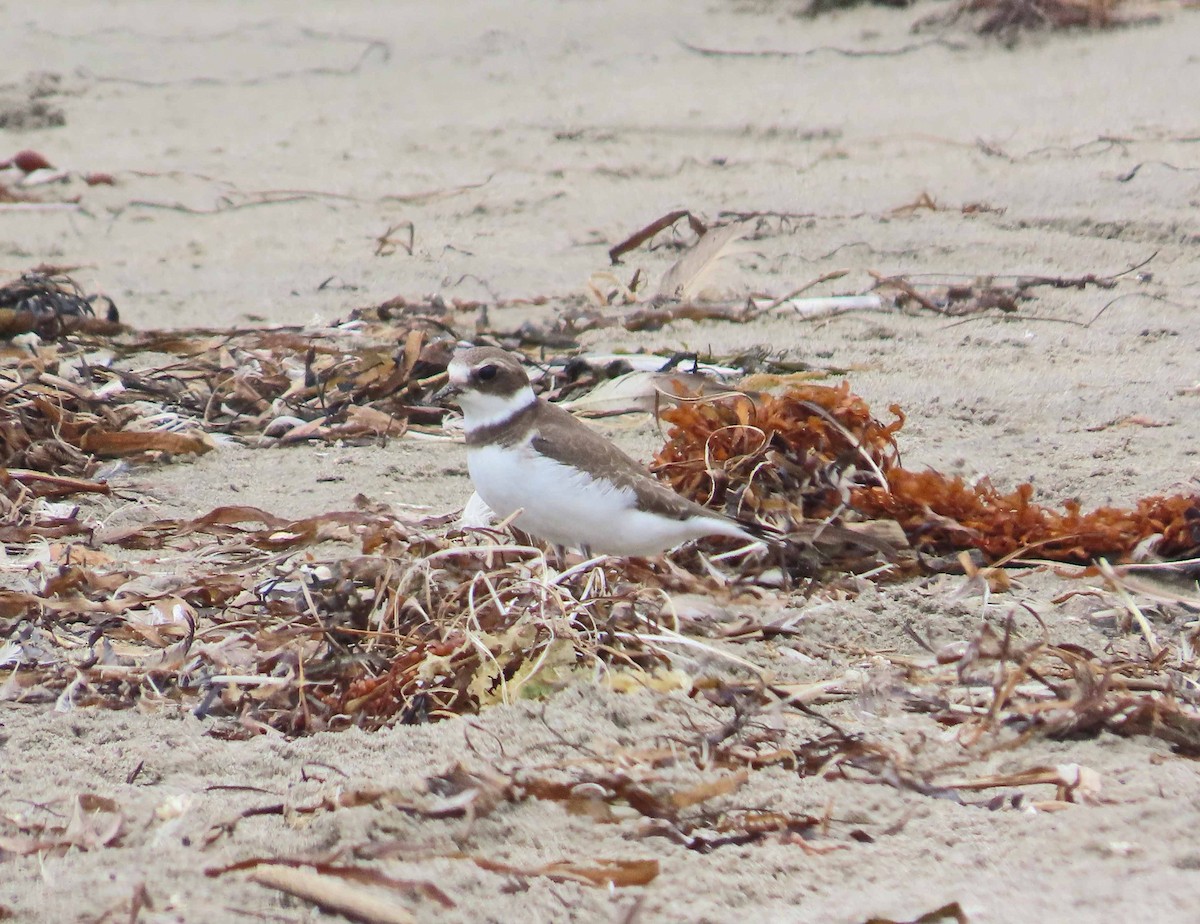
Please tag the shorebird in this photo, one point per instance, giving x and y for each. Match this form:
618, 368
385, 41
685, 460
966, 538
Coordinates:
565, 482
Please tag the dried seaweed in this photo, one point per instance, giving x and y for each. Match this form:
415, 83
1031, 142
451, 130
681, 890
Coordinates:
1065, 691
818, 7
1007, 20
50, 304
415, 627
965, 297
940, 513
61, 410
599, 872
641, 783
787, 454
57, 427
815, 452
1004, 18
365, 618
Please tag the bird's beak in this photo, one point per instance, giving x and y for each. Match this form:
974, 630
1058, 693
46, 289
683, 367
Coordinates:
447, 392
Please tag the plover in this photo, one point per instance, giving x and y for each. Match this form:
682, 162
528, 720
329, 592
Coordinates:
571, 486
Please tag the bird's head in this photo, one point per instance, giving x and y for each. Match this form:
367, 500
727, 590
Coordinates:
489, 384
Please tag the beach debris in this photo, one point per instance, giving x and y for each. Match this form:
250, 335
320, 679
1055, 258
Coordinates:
85, 821
48, 303
642, 235
333, 893
368, 893
602, 385
952, 912
1073, 784
815, 452
1005, 19
940, 512
26, 162
1008, 20
387, 244
362, 893
817, 7
27, 169
366, 617
961, 297
686, 279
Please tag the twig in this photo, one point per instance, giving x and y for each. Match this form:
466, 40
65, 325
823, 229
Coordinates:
642, 235
824, 277
1118, 586
1133, 171
70, 485
385, 245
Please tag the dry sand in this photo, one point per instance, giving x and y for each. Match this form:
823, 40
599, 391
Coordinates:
521, 142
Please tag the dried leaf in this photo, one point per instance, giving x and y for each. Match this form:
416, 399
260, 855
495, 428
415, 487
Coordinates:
361, 420
709, 790
689, 274
599, 872
127, 443
332, 893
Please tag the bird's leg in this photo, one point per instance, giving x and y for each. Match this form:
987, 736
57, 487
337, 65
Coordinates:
779, 553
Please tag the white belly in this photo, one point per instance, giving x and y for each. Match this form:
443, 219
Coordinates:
567, 507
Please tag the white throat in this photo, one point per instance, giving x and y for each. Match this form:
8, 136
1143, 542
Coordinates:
482, 410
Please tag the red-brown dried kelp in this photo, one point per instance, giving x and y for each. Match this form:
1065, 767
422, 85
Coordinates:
940, 513
642, 235
800, 450
816, 451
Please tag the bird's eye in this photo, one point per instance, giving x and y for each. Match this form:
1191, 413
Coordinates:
486, 373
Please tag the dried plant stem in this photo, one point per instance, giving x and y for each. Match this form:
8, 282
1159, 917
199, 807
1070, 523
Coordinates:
1118, 586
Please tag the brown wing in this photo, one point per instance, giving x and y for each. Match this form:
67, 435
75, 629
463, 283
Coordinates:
564, 439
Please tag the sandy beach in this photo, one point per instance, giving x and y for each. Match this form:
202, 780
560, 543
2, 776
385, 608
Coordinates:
275, 164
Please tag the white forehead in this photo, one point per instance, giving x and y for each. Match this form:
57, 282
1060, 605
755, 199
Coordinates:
460, 372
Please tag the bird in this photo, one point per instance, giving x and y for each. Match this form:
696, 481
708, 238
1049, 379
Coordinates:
566, 483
